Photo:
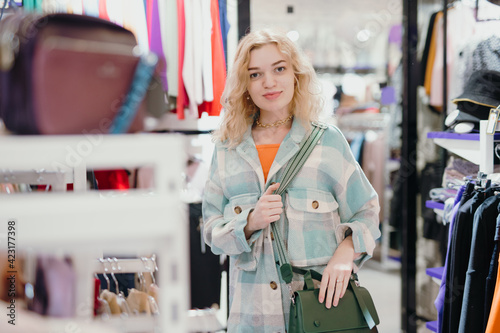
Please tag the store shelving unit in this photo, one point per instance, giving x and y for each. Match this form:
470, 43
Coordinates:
436, 273
474, 147
85, 224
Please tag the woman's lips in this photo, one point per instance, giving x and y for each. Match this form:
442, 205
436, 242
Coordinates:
272, 95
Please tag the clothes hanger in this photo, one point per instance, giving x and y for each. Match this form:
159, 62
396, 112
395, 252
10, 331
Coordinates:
152, 301
120, 296
103, 309
154, 290
109, 296
105, 271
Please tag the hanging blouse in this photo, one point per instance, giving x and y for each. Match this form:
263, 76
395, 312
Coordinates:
218, 64
461, 22
224, 24
91, 7
208, 91
182, 99
193, 54
115, 11
155, 42
103, 11
134, 19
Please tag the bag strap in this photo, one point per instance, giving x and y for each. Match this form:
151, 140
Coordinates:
140, 83
362, 305
306, 147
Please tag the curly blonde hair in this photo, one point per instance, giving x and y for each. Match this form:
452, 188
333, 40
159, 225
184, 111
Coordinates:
240, 112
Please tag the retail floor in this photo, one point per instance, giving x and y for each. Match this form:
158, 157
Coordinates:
384, 284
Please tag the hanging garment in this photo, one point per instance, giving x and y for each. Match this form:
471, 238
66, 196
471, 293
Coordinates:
356, 145
208, 89
430, 180
493, 319
219, 65
32, 5
148, 5
110, 297
491, 279
464, 194
205, 268
114, 9
374, 159
138, 302
182, 99
91, 7
155, 42
75, 7
112, 179
134, 19
458, 261
224, 25
428, 56
482, 246
193, 54
431, 55
169, 26
103, 11
55, 285
462, 23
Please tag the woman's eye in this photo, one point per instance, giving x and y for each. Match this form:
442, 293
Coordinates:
280, 69
254, 75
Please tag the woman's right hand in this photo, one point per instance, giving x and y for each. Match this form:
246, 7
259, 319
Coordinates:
268, 210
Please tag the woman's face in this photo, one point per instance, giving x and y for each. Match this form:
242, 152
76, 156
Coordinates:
272, 80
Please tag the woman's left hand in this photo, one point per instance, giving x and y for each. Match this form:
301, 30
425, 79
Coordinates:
337, 273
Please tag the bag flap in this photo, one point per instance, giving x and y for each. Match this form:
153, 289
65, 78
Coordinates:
317, 318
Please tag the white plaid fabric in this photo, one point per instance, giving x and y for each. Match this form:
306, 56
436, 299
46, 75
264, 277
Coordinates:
344, 200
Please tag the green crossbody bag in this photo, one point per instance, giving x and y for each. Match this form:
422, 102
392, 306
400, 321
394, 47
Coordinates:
356, 312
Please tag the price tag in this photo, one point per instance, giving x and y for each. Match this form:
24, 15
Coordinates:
492, 121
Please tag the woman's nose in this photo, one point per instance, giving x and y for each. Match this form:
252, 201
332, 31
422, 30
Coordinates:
269, 80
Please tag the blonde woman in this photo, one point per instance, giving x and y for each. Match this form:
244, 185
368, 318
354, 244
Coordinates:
329, 214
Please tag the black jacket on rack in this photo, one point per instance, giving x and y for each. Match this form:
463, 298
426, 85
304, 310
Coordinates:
206, 269
458, 259
474, 305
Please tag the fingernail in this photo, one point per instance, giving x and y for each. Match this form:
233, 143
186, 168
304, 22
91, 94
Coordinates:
321, 300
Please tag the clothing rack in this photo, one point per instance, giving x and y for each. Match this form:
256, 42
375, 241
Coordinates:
364, 121
57, 179
117, 266
378, 122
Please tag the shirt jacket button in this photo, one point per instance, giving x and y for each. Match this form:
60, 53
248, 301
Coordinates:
315, 204
237, 209
273, 285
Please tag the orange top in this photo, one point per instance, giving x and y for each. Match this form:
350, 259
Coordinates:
267, 153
